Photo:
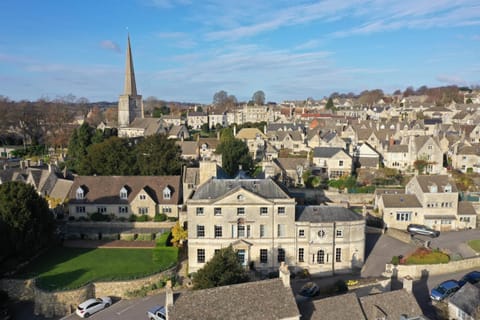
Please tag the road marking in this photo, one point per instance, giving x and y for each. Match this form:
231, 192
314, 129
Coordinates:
127, 308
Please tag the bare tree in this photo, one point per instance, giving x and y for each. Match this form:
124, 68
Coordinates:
259, 98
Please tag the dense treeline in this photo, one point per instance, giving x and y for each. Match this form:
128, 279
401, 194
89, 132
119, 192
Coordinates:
93, 152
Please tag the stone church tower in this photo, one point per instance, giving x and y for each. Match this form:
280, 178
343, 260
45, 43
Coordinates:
130, 105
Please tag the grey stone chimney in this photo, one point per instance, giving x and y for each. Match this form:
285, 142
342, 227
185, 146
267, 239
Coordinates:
168, 296
408, 284
284, 274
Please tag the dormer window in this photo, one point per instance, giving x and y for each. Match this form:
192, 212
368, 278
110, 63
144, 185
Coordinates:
433, 188
167, 194
123, 194
448, 188
80, 195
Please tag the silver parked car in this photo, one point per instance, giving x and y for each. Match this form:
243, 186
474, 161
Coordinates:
89, 307
422, 230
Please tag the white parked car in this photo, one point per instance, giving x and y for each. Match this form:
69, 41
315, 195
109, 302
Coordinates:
89, 307
157, 313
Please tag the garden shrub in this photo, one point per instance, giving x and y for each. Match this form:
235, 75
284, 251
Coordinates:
427, 256
340, 287
144, 237
172, 219
97, 216
395, 260
142, 218
127, 236
159, 217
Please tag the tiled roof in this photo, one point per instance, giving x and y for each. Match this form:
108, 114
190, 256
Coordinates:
292, 163
390, 305
259, 300
250, 133
215, 188
400, 148
106, 189
151, 125
212, 143
467, 298
326, 152
401, 201
439, 180
466, 208
343, 307
188, 147
325, 214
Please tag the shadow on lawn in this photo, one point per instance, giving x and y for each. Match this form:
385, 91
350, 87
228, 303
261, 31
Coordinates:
59, 281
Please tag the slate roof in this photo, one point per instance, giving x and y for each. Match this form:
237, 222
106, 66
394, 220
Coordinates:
106, 189
467, 298
188, 147
284, 127
466, 208
61, 189
440, 180
216, 188
400, 148
192, 175
342, 307
197, 114
250, 133
380, 191
292, 163
401, 201
326, 152
325, 214
369, 162
151, 125
391, 305
262, 300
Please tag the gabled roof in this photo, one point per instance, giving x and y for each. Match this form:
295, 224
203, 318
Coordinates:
392, 304
291, 163
326, 152
188, 147
250, 133
106, 189
398, 148
150, 125
342, 307
467, 298
325, 214
259, 300
425, 181
401, 201
216, 188
466, 208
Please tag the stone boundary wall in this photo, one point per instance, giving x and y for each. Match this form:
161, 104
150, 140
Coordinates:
120, 225
352, 198
20, 289
60, 303
399, 235
416, 271
373, 230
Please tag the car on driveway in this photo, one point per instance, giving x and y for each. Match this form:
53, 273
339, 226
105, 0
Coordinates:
309, 289
444, 290
472, 277
157, 313
89, 307
422, 230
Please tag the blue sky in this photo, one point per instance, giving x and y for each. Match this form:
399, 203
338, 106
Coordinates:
187, 50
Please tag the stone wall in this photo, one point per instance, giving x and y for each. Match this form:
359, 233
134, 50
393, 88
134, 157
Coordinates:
399, 235
122, 225
351, 198
60, 303
416, 271
18, 289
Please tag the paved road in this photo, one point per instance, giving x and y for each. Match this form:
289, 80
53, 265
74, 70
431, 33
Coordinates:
126, 309
379, 251
455, 242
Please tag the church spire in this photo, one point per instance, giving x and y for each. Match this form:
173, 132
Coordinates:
130, 86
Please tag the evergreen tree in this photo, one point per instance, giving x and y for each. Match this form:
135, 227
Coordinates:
223, 269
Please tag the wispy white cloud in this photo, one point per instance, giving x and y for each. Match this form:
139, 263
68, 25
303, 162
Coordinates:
110, 45
451, 79
178, 39
167, 4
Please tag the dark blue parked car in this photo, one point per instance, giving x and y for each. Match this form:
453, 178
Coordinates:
444, 290
472, 277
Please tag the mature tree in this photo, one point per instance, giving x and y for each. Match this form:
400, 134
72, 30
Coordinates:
223, 269
370, 97
330, 105
397, 92
220, 98
111, 114
77, 146
409, 92
26, 224
235, 153
95, 116
179, 235
259, 98
58, 119
157, 155
112, 157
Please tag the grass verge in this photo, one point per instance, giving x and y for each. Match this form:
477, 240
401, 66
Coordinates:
69, 268
475, 244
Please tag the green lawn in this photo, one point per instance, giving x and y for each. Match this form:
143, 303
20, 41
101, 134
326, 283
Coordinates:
68, 268
474, 244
